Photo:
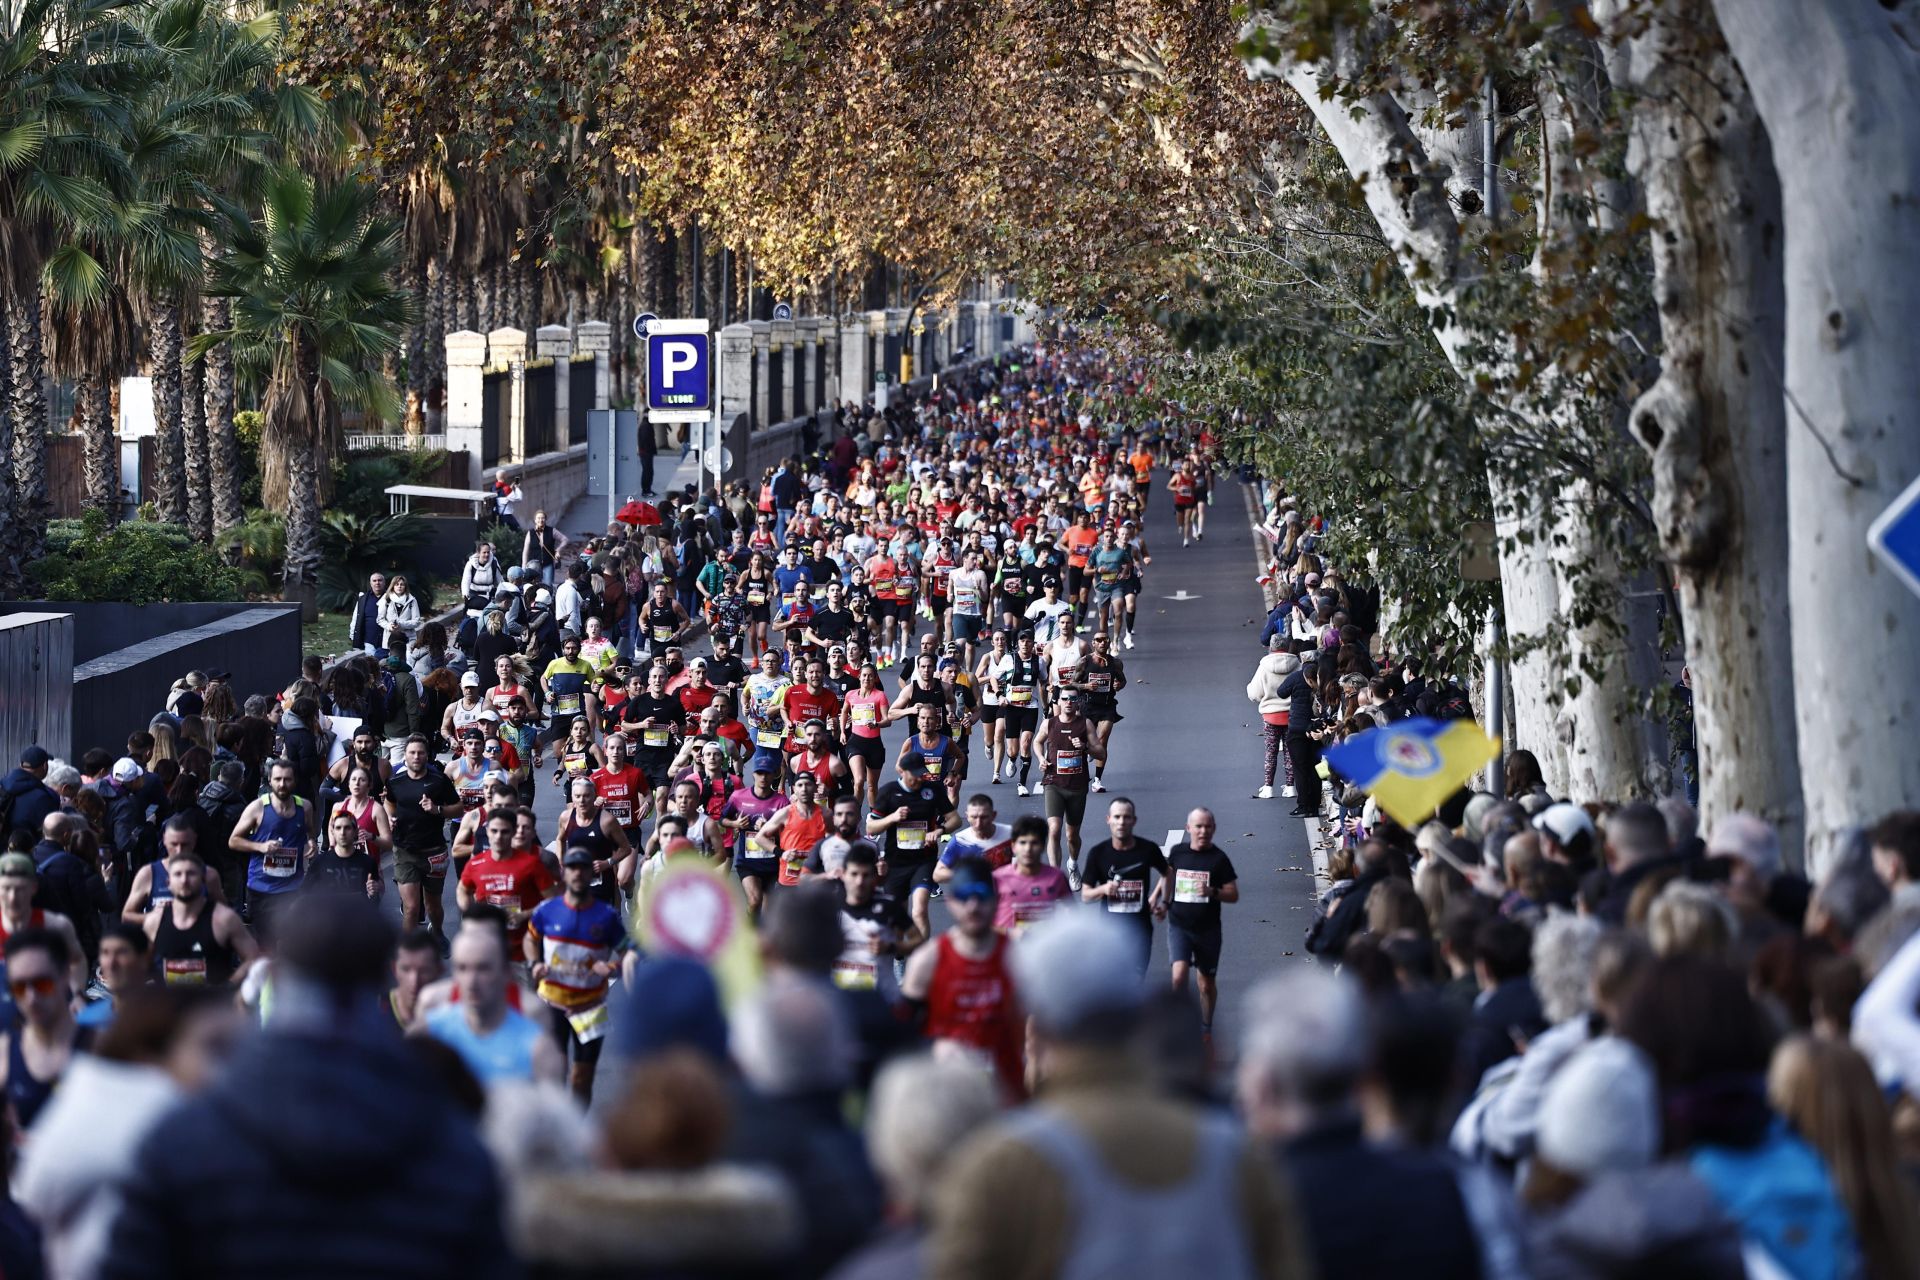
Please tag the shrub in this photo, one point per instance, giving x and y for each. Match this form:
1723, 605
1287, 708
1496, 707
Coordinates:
141, 562
353, 546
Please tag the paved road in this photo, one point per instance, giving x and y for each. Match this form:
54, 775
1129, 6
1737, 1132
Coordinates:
1190, 738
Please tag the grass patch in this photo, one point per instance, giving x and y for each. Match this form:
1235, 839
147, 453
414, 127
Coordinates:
327, 634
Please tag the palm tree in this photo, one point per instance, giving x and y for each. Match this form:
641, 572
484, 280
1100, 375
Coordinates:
66, 67
315, 310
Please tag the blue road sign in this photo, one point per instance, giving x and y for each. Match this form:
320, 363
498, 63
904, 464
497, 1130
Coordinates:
781, 311
1895, 537
677, 372
641, 323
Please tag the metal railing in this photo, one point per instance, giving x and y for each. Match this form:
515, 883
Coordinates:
366, 442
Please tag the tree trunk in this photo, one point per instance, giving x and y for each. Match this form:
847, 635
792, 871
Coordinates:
484, 303
193, 427
169, 469
1530, 601
12, 568
1714, 424
1838, 88
100, 458
32, 499
303, 530
223, 450
417, 344
466, 301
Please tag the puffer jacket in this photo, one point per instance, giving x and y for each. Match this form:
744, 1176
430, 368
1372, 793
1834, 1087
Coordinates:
1661, 1220
353, 1159
1264, 688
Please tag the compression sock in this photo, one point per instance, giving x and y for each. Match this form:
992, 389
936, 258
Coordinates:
1026, 769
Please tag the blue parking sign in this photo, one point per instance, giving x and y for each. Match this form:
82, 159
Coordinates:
678, 369
1895, 537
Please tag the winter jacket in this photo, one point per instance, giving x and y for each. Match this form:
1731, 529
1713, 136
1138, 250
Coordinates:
1299, 697
74, 889
724, 1220
365, 627
487, 646
1496, 1015
805, 1138
303, 751
1643, 1222
1264, 688
398, 613
223, 806
1433, 1233
1780, 1193
71, 1176
314, 1155
26, 801
402, 707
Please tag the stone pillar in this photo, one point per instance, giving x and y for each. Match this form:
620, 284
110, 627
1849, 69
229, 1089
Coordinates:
783, 342
554, 342
466, 380
826, 332
596, 336
878, 365
736, 373
806, 347
762, 331
508, 348
856, 371
987, 322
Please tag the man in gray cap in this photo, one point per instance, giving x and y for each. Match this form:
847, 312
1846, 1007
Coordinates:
1114, 1178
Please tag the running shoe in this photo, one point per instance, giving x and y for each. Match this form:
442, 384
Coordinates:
1264, 793
1023, 788
1128, 642
1073, 875
1287, 791
1097, 785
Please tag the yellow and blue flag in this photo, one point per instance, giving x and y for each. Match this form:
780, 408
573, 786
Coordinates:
1412, 766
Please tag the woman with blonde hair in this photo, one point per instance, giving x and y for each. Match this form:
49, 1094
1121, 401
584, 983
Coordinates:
166, 744
1826, 1090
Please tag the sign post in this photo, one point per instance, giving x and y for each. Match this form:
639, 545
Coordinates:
680, 373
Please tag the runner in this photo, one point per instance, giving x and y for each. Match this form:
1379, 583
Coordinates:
505, 877
794, 831
345, 866
277, 834
586, 824
1067, 751
1203, 878
1024, 686
984, 837
968, 588
43, 1037
1185, 490
876, 927
908, 814
566, 686
194, 939
653, 721
1102, 676
571, 946
663, 621
745, 812
499, 1044
419, 801
1120, 875
576, 756
150, 888
988, 675
963, 985
624, 791
416, 966
1029, 891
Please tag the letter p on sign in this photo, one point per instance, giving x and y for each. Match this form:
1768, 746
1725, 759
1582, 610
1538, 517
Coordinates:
677, 370
677, 358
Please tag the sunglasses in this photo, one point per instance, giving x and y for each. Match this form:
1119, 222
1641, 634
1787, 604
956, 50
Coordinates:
21, 987
972, 893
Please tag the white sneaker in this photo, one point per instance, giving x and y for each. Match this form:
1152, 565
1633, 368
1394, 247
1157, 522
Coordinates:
1287, 791
1023, 788
1201, 534
1073, 875
1097, 785
1185, 542
1128, 642
1264, 793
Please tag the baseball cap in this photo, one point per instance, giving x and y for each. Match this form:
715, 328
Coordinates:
127, 769
18, 864
473, 733
471, 680
35, 757
914, 764
577, 857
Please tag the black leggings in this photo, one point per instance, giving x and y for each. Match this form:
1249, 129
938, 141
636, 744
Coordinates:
1304, 752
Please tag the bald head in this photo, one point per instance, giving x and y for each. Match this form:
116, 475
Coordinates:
1200, 826
56, 827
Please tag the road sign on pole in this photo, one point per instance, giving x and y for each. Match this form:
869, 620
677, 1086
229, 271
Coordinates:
781, 311
1895, 537
641, 323
679, 369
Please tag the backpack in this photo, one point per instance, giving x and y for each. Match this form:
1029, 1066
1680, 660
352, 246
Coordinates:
1448, 702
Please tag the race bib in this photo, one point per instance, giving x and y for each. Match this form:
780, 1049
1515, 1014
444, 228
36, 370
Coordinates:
505, 901
437, 863
1192, 886
589, 1024
566, 704
1068, 762
1100, 681
864, 716
470, 798
1126, 896
662, 634
756, 597
855, 974
656, 737
622, 811
186, 971
1020, 695
770, 738
934, 765
910, 837
280, 863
